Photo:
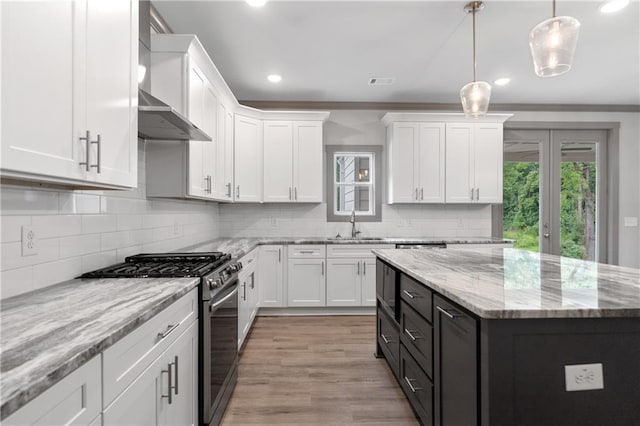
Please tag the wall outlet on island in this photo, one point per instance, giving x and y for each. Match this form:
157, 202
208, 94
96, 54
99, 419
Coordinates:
582, 377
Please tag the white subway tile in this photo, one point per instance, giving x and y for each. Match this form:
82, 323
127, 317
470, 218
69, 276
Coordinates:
45, 274
129, 221
16, 281
11, 227
115, 240
57, 226
79, 245
99, 223
121, 253
77, 203
91, 262
12, 254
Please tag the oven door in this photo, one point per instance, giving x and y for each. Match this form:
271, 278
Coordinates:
220, 352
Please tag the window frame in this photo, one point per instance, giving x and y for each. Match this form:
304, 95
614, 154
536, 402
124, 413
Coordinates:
370, 184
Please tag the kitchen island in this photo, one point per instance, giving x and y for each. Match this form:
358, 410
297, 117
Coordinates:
483, 337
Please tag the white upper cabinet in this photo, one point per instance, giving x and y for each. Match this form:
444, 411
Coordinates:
223, 172
292, 161
248, 134
416, 162
474, 162
78, 79
443, 158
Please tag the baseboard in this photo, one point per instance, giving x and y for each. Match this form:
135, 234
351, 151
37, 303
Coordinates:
323, 311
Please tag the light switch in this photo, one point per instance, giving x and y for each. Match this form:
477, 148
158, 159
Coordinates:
630, 222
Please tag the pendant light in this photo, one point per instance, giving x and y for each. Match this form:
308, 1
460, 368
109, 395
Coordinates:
475, 95
553, 42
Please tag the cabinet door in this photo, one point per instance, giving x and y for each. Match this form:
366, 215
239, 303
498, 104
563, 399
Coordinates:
139, 404
455, 365
278, 161
344, 282
430, 159
220, 189
270, 277
244, 310
196, 183
42, 82
182, 360
306, 282
459, 162
402, 158
488, 157
307, 161
248, 159
112, 105
210, 126
229, 154
368, 282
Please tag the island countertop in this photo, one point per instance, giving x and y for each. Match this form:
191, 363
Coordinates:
511, 283
49, 333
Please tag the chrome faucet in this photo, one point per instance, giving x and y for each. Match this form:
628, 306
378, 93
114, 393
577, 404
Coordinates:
352, 220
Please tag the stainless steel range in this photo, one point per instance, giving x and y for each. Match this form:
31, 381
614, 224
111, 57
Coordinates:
218, 313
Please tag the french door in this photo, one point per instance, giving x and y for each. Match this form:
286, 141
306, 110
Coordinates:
555, 191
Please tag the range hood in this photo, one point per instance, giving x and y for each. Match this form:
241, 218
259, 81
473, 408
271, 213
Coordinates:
159, 121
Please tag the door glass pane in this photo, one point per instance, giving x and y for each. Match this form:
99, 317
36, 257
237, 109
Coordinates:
352, 198
521, 194
578, 200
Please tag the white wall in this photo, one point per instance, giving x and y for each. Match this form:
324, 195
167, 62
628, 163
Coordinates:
79, 231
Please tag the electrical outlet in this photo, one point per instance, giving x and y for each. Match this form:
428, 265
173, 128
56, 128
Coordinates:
582, 377
29, 241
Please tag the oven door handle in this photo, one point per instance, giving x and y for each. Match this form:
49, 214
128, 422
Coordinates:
224, 299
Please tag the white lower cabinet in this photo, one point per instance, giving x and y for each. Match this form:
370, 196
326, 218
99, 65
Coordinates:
306, 282
271, 276
369, 282
351, 282
75, 400
248, 295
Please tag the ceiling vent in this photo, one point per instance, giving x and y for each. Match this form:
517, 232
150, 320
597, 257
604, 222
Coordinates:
381, 81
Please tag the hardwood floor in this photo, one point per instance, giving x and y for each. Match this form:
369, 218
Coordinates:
313, 371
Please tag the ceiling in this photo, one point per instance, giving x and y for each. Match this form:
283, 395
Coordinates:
326, 51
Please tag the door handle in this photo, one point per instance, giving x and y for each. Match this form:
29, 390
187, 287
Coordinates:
421, 194
451, 316
414, 338
87, 143
295, 192
358, 268
168, 395
323, 268
386, 341
229, 190
477, 194
168, 331
279, 255
175, 363
416, 193
411, 295
471, 194
238, 191
408, 380
364, 268
289, 192
98, 142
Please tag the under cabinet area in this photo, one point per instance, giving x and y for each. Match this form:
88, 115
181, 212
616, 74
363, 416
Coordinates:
77, 82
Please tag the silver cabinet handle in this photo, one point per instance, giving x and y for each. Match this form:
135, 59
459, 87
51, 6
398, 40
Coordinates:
411, 295
295, 192
414, 338
477, 194
364, 268
175, 363
290, 193
386, 341
471, 194
229, 190
168, 395
99, 153
358, 268
244, 290
421, 193
306, 252
445, 312
323, 267
223, 300
408, 380
168, 331
279, 255
87, 143
238, 191
416, 193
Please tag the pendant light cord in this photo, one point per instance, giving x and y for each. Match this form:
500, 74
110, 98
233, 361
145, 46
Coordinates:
554, 8
475, 65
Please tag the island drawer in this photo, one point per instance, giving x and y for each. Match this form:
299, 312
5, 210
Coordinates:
389, 340
386, 288
417, 336
128, 358
417, 386
307, 251
417, 296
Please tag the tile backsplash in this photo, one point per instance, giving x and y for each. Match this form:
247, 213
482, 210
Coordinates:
300, 220
79, 231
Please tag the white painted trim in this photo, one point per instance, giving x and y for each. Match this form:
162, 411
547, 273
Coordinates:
392, 117
324, 311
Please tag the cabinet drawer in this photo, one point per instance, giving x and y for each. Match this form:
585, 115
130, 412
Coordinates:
125, 360
355, 250
389, 340
416, 386
249, 262
307, 251
417, 336
386, 287
417, 296
74, 400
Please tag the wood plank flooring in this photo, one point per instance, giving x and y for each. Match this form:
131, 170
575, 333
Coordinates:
315, 371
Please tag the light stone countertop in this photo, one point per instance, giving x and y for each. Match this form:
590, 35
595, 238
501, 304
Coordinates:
511, 283
238, 247
49, 333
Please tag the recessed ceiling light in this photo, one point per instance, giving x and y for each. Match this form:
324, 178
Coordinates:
274, 78
613, 6
502, 81
256, 3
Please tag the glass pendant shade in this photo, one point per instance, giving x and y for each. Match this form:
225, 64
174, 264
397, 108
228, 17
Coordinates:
475, 98
552, 44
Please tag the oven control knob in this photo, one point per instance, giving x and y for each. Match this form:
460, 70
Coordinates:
214, 283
